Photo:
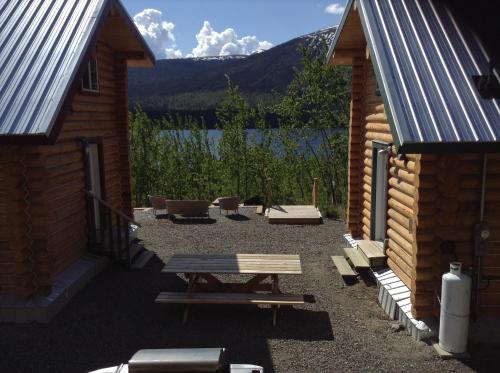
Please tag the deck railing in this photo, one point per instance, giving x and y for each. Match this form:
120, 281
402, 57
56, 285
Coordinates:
109, 229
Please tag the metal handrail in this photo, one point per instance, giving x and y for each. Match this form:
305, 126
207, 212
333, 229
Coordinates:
113, 209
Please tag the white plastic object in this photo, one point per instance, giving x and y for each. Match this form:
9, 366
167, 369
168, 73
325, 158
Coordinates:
455, 310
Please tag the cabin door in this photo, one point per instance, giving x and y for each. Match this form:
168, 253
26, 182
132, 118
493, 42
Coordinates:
379, 191
94, 185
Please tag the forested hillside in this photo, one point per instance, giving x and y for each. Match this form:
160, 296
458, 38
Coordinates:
198, 85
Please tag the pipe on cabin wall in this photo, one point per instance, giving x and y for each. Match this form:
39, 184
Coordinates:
477, 258
27, 225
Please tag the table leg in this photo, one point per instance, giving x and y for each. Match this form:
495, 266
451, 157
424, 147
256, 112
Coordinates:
275, 290
192, 278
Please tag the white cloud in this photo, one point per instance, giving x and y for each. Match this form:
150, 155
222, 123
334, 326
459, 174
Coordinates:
334, 8
213, 43
158, 33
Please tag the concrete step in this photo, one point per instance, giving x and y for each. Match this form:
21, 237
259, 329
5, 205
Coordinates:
372, 252
356, 258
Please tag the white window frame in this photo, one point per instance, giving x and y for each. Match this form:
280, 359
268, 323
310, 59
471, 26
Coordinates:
88, 74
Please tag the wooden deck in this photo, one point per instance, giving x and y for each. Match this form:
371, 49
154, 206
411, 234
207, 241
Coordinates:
300, 214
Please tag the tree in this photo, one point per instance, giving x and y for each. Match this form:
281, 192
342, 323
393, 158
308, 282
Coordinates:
314, 113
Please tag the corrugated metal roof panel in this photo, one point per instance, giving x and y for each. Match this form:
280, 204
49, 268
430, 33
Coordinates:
42, 44
426, 60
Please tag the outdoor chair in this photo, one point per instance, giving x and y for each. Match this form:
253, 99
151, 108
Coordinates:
158, 203
229, 204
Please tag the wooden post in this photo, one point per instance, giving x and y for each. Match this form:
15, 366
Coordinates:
269, 200
315, 192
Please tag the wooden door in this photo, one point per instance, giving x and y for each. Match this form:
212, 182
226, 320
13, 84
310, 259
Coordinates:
93, 176
379, 191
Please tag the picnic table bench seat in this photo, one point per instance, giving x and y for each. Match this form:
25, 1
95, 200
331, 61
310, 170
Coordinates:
231, 298
204, 288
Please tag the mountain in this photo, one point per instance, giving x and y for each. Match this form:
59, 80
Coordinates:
197, 85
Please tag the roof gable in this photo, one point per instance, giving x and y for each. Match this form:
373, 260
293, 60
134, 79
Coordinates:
425, 60
43, 45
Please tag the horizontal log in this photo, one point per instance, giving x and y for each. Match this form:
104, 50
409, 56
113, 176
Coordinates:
401, 197
401, 208
402, 174
400, 241
367, 179
370, 135
402, 164
382, 128
428, 208
399, 272
427, 182
401, 219
367, 205
401, 253
399, 261
366, 213
377, 117
402, 231
402, 186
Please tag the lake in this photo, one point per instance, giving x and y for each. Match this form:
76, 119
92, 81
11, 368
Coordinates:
314, 137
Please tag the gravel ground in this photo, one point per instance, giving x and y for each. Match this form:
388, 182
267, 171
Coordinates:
344, 330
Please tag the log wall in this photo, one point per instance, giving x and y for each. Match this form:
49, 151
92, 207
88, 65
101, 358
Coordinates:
402, 193
448, 216
433, 202
56, 180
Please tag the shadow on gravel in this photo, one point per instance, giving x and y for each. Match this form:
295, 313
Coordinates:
115, 315
194, 221
237, 217
485, 357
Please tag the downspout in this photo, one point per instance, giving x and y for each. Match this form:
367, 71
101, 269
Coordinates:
481, 234
28, 228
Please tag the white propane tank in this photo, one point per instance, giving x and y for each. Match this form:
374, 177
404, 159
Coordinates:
455, 309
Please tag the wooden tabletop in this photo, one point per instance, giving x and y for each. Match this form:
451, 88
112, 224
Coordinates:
235, 263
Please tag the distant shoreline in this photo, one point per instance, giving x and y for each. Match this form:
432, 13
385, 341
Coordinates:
209, 116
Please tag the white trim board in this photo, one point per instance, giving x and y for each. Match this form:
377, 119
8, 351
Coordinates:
395, 298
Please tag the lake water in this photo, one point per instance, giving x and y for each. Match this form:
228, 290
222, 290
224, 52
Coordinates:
314, 137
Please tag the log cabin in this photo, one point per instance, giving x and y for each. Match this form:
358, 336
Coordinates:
424, 143
63, 131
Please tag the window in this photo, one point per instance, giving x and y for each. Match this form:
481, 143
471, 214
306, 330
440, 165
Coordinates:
90, 82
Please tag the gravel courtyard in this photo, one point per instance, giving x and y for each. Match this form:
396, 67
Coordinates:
344, 330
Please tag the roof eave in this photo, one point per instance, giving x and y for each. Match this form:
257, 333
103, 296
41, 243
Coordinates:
448, 147
149, 60
338, 31
33, 139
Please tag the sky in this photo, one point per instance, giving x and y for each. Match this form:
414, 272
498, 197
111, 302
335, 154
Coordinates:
200, 28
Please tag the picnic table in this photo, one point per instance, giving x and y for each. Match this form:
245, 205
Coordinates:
204, 288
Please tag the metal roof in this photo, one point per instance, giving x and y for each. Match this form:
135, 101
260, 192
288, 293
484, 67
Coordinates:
424, 58
42, 46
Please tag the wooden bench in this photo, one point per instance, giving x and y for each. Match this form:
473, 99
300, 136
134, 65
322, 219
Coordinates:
274, 300
187, 208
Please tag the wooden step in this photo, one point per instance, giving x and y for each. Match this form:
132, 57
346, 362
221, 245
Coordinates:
373, 252
356, 258
142, 259
343, 266
229, 298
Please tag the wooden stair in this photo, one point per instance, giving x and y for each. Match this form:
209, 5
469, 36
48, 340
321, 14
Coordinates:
343, 266
372, 252
354, 256
367, 254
